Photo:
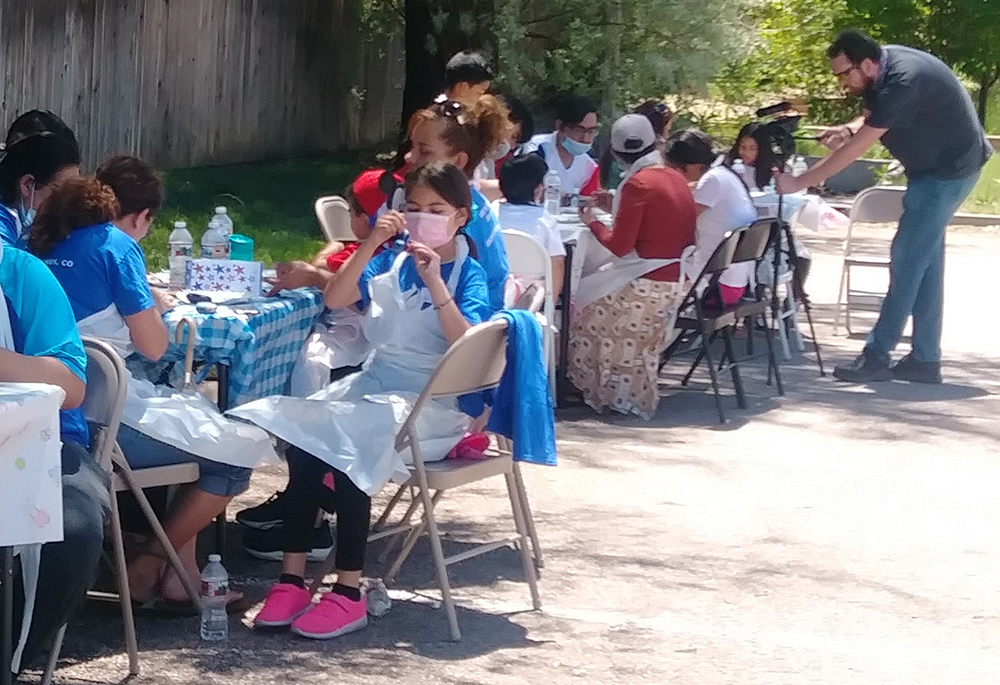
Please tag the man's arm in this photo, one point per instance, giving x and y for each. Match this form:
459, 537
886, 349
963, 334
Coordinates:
22, 368
832, 164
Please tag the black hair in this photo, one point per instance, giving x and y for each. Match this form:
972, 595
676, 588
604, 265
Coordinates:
39, 144
520, 114
467, 66
520, 176
856, 46
633, 157
657, 112
451, 183
766, 159
689, 146
572, 109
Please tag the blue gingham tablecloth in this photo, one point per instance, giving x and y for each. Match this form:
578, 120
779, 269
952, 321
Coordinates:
258, 338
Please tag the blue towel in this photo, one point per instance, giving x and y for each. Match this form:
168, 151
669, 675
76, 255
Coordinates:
522, 404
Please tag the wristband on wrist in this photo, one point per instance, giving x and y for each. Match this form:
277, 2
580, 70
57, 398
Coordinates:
438, 307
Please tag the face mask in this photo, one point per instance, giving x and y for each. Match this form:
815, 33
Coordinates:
27, 216
502, 150
429, 229
575, 147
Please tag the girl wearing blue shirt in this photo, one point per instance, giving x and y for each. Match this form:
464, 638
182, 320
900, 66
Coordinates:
40, 153
418, 300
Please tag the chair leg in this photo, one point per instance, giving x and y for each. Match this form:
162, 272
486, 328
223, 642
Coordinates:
734, 367
840, 298
124, 593
772, 362
714, 376
438, 554
411, 540
50, 667
793, 313
324, 569
698, 358
786, 351
405, 520
529, 519
389, 508
517, 509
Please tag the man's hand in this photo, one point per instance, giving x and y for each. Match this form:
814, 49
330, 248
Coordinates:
290, 275
835, 136
786, 184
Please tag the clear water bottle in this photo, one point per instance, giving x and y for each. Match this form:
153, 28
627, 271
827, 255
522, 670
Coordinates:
214, 242
553, 193
214, 588
180, 248
377, 597
799, 166
224, 220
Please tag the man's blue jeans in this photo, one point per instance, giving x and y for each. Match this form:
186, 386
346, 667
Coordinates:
916, 271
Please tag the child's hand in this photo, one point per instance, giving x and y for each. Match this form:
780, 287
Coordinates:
427, 260
388, 226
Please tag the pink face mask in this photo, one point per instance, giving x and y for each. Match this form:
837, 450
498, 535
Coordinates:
429, 229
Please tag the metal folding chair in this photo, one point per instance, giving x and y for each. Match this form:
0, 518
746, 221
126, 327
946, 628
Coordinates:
334, 216
528, 258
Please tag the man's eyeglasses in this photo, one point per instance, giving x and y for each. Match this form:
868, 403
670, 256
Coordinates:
843, 74
585, 130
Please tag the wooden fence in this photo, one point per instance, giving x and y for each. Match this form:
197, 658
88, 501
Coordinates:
186, 82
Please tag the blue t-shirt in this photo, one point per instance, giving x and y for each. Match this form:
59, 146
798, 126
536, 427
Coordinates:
471, 292
43, 326
484, 229
9, 227
99, 266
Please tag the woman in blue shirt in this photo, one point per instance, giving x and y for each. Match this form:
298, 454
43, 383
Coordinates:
40, 152
418, 300
103, 271
39, 344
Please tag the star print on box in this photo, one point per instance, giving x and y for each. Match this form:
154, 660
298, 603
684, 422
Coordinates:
224, 275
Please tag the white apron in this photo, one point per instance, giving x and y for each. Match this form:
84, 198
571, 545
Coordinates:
604, 273
186, 420
336, 341
352, 423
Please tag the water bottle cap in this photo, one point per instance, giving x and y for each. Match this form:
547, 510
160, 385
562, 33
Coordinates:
220, 210
214, 557
180, 224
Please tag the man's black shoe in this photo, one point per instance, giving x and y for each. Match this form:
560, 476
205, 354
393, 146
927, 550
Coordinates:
909, 369
865, 369
264, 516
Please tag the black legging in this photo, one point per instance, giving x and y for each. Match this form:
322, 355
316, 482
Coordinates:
306, 492
67, 568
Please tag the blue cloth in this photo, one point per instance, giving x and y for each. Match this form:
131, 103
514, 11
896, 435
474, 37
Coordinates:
99, 266
522, 404
916, 268
471, 293
10, 233
43, 326
484, 229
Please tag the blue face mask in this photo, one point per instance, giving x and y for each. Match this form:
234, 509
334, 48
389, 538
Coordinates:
27, 216
575, 147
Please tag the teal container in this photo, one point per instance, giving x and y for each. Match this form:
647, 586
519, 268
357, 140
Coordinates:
241, 248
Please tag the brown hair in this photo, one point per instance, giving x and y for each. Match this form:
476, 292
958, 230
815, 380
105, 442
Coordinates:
76, 203
475, 130
135, 183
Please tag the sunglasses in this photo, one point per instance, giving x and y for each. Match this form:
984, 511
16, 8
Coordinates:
449, 109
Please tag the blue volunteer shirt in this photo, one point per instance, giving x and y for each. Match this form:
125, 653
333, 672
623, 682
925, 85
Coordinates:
471, 292
10, 233
99, 266
43, 326
484, 229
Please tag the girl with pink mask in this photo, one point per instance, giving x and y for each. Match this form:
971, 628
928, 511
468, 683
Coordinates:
418, 296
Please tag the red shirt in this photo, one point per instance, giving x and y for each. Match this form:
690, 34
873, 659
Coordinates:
656, 218
337, 259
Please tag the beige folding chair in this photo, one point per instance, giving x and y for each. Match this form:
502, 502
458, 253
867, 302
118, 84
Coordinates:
527, 257
334, 216
881, 204
474, 363
103, 404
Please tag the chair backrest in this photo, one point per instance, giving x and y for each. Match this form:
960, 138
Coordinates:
334, 216
754, 241
878, 205
474, 362
104, 402
721, 259
527, 257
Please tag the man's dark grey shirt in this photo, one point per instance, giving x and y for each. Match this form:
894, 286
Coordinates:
933, 127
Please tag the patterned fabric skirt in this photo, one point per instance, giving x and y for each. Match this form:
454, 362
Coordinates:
615, 345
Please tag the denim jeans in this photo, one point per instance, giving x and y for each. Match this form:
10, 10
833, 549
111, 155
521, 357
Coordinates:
916, 270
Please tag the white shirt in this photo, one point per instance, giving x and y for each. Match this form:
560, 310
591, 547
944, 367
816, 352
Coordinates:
729, 207
533, 220
572, 178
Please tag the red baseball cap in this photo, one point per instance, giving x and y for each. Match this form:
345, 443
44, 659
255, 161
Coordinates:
368, 192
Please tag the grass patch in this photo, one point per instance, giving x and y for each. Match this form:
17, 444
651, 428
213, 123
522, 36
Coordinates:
985, 197
272, 202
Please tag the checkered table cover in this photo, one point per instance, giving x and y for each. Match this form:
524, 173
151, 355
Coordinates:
259, 348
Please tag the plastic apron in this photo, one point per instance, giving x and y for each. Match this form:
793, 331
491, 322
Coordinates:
336, 341
352, 423
188, 421
603, 273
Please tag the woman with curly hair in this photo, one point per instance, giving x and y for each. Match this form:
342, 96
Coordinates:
103, 271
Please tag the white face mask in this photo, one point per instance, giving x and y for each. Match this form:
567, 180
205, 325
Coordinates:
27, 215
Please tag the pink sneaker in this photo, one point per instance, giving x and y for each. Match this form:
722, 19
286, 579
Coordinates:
333, 616
285, 602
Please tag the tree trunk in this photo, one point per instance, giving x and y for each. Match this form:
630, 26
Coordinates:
424, 68
985, 83
612, 60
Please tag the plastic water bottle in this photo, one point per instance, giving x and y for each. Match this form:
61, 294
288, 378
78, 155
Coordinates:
553, 193
214, 242
224, 220
799, 166
214, 588
376, 597
180, 248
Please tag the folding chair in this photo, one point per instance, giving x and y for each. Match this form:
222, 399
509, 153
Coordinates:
695, 320
334, 216
527, 257
103, 404
475, 362
881, 204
